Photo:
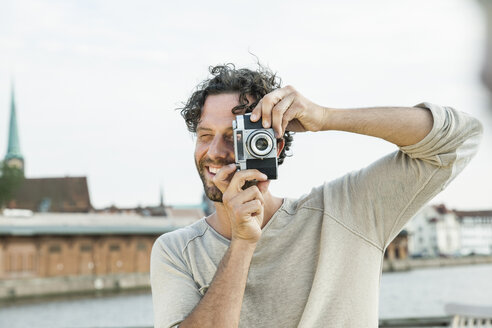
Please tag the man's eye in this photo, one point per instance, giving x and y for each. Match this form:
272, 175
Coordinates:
204, 136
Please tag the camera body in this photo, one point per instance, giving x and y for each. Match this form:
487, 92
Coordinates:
254, 146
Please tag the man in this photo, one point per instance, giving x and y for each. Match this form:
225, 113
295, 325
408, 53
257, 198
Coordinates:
265, 261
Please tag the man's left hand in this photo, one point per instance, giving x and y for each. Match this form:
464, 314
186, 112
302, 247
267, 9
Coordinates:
286, 109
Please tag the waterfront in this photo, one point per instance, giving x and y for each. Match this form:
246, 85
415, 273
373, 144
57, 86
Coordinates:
414, 293
424, 292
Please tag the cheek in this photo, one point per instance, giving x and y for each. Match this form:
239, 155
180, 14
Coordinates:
200, 151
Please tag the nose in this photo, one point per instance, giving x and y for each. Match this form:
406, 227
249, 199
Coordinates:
220, 149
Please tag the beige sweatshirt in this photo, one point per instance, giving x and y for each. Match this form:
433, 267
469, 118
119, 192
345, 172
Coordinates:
318, 262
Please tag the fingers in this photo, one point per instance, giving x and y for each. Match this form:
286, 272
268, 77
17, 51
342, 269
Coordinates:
263, 186
251, 208
278, 114
245, 207
257, 111
240, 178
247, 202
265, 106
223, 177
249, 194
288, 116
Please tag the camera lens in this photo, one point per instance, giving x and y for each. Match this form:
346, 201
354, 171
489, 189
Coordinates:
261, 144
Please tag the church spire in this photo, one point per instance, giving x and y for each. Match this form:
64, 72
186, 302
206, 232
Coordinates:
161, 197
13, 156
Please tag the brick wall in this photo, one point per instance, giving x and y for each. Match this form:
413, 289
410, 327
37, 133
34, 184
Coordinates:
50, 256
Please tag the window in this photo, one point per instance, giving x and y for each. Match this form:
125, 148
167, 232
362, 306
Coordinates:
28, 262
19, 263
114, 247
10, 263
55, 249
85, 248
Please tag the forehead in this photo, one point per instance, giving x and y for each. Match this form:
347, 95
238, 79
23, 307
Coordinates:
217, 111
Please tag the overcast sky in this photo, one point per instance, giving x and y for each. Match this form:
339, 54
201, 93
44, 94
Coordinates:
97, 82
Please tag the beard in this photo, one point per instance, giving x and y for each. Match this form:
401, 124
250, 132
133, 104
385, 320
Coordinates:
211, 191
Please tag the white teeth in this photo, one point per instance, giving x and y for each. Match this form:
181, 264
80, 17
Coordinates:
214, 170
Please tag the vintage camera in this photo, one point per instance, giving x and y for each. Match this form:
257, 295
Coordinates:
254, 146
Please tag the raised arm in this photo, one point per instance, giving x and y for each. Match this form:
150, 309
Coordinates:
402, 126
435, 144
285, 108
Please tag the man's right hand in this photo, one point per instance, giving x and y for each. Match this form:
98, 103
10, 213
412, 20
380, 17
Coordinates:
245, 208
221, 305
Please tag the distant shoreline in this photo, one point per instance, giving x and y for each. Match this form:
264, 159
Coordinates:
33, 288
422, 263
58, 287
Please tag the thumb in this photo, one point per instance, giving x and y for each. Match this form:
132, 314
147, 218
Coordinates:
263, 186
224, 176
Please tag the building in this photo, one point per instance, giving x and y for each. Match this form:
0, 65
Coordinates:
14, 157
439, 231
398, 248
58, 194
71, 194
196, 211
434, 232
476, 232
53, 244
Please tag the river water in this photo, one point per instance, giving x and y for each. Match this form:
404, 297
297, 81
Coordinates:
404, 294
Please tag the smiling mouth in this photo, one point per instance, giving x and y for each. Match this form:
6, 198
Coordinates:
213, 170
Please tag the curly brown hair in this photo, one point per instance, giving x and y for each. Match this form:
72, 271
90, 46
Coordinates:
226, 78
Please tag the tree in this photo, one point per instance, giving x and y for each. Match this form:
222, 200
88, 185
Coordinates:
10, 180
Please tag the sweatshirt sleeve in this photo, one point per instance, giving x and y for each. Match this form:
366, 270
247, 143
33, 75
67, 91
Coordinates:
377, 201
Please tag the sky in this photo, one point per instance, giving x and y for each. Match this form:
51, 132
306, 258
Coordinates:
97, 84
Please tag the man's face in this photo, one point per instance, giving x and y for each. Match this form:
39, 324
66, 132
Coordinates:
214, 144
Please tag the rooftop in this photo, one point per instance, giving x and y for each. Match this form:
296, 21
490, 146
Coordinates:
473, 213
89, 224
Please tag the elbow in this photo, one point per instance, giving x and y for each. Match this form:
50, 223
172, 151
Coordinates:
478, 127
475, 134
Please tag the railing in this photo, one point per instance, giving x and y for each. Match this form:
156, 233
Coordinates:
472, 316
415, 322
443, 321
383, 323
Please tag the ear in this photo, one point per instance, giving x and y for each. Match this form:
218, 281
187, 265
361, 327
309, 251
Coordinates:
280, 146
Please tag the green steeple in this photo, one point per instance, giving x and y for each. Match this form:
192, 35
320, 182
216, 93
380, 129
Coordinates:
13, 148
161, 197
